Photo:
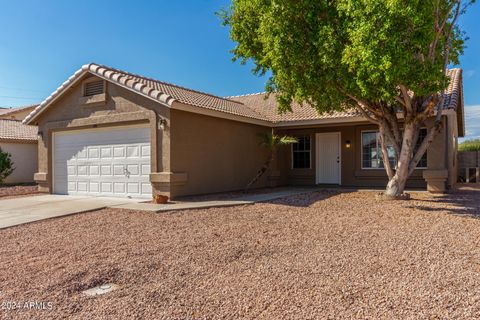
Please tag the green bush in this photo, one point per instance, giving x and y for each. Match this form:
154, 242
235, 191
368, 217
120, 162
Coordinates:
6, 165
470, 145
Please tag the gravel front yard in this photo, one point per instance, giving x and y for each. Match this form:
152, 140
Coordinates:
17, 191
321, 255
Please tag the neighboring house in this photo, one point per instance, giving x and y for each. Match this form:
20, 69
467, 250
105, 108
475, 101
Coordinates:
16, 113
20, 140
112, 133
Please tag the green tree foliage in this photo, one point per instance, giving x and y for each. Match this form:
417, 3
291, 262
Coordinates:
470, 145
6, 165
386, 58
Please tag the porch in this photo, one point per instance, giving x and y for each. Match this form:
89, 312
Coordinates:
349, 156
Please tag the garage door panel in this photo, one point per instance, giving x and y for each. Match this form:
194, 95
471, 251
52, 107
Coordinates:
106, 187
146, 188
106, 170
93, 153
103, 163
119, 152
145, 151
145, 169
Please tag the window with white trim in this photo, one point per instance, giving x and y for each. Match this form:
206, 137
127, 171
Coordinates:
372, 151
301, 153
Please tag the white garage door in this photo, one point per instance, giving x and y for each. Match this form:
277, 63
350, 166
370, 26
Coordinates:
103, 162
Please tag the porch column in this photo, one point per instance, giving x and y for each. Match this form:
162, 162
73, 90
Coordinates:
436, 180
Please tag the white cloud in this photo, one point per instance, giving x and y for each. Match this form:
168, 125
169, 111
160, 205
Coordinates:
472, 122
469, 73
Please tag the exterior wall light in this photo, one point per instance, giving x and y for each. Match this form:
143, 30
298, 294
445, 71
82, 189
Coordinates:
348, 144
162, 124
39, 134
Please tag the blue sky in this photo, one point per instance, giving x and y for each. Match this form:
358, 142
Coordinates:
183, 42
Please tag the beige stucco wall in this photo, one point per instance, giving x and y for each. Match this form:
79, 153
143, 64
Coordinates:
24, 157
216, 154
199, 154
208, 154
120, 107
19, 115
351, 166
452, 148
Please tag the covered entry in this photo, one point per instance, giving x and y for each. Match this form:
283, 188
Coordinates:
328, 158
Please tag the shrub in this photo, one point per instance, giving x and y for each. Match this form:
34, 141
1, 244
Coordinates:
6, 165
470, 145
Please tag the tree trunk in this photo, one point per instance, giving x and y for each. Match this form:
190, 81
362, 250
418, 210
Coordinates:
396, 184
261, 172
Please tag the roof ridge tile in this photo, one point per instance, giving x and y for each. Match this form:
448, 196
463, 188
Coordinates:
163, 82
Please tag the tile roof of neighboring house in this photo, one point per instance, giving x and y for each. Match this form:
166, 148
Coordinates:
16, 130
4, 110
253, 106
14, 110
267, 104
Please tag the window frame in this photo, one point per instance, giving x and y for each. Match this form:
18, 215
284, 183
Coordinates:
379, 149
292, 167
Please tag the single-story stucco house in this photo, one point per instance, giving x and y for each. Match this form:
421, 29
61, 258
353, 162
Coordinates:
20, 140
113, 133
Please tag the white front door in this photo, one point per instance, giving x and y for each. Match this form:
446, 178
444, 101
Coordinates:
112, 162
328, 158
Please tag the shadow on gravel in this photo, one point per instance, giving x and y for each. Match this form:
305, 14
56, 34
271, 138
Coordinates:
305, 200
462, 201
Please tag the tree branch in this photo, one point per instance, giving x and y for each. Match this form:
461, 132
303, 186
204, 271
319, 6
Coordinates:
407, 99
439, 29
362, 106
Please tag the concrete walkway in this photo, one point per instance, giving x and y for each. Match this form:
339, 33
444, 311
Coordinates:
243, 200
16, 211
22, 210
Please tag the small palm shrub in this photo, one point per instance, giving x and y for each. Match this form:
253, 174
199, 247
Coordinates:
271, 142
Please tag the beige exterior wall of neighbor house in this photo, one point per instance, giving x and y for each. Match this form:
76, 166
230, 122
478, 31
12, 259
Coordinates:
17, 115
215, 154
24, 157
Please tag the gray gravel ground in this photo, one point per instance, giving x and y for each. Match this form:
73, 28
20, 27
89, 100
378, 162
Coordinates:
314, 256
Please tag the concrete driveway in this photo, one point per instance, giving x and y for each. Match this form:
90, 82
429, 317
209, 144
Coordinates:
27, 209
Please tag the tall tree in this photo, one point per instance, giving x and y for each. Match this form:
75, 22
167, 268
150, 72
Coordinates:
386, 58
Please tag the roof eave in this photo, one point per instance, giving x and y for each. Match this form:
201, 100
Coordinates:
72, 80
107, 75
219, 114
309, 122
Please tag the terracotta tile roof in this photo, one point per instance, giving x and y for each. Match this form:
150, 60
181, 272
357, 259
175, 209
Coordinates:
18, 109
4, 110
453, 94
267, 104
16, 130
253, 106
163, 92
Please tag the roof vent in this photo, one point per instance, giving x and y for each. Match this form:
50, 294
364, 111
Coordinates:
93, 88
